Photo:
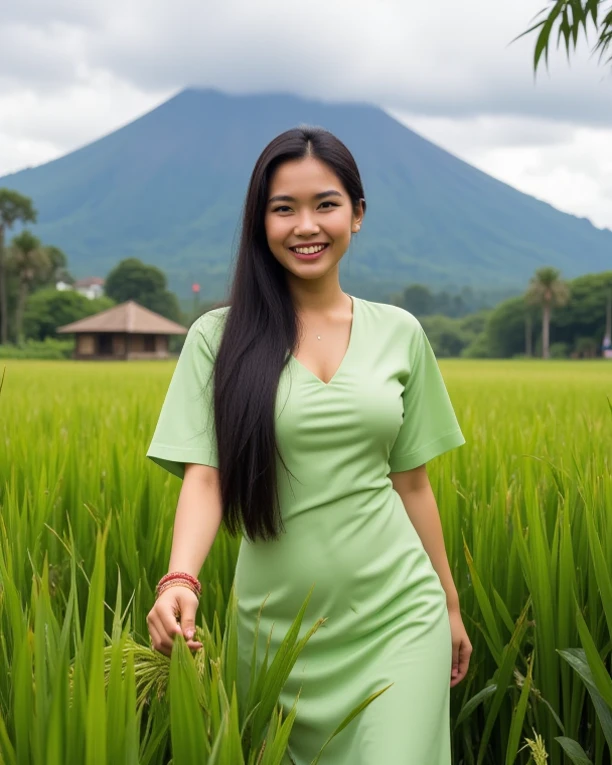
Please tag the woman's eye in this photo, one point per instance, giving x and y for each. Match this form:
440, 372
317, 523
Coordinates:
284, 207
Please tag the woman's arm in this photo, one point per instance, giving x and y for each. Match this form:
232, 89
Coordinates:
414, 488
198, 517
197, 520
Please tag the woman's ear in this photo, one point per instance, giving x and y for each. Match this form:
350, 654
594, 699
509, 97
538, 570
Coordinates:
358, 216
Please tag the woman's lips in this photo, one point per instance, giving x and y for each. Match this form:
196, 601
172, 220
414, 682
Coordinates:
314, 256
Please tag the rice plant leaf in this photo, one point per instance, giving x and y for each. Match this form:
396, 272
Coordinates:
156, 733
574, 751
349, 718
600, 674
502, 609
7, 752
229, 741
132, 716
553, 714
576, 658
230, 642
518, 716
600, 566
116, 703
23, 700
493, 634
503, 677
280, 668
474, 702
93, 648
276, 744
187, 730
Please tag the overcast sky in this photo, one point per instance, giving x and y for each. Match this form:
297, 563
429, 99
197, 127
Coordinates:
74, 70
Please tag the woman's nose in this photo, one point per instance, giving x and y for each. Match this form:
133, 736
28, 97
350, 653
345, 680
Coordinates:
306, 225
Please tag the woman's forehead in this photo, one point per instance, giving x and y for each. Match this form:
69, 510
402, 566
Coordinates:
305, 174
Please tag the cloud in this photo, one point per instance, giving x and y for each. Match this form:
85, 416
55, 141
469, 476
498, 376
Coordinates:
72, 71
567, 166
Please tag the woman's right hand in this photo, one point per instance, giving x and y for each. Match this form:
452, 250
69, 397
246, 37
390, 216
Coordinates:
172, 614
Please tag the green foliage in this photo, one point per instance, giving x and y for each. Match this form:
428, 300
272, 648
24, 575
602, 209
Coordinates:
446, 336
559, 350
131, 279
579, 324
573, 19
49, 308
14, 207
85, 532
422, 300
50, 348
30, 263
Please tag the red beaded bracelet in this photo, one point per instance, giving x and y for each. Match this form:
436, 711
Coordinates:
180, 575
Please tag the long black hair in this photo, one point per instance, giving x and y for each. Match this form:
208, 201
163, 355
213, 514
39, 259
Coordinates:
260, 334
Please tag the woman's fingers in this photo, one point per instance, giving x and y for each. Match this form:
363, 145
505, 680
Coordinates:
163, 621
157, 640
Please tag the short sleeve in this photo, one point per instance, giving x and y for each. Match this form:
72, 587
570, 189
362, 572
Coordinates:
185, 430
429, 427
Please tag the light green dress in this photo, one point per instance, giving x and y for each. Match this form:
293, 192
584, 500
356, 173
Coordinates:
347, 532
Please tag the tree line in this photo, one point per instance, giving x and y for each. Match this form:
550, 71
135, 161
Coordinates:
31, 306
553, 317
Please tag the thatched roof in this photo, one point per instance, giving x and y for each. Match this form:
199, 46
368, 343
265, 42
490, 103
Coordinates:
127, 317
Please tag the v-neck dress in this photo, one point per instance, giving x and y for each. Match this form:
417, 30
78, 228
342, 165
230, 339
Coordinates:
385, 410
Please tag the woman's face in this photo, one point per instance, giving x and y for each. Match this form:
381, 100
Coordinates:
316, 211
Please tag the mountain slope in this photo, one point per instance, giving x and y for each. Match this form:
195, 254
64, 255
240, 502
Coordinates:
169, 188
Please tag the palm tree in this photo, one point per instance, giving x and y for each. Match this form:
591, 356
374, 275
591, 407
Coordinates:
547, 290
572, 20
13, 207
30, 262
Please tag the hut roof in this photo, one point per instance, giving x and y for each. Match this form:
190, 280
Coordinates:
127, 317
90, 281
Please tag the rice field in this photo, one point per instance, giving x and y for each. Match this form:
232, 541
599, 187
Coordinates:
85, 534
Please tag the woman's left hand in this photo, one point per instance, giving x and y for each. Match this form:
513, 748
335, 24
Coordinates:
462, 648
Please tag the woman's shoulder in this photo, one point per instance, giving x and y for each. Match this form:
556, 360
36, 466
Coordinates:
392, 316
209, 326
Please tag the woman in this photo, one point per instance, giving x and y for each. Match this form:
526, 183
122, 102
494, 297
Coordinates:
312, 441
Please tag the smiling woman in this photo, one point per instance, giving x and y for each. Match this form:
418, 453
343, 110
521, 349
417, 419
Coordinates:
302, 417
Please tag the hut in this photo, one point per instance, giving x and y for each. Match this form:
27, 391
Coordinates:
124, 332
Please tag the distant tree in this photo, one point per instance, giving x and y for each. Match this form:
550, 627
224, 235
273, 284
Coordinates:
132, 279
14, 207
446, 336
59, 267
585, 348
505, 328
530, 319
547, 290
572, 19
49, 308
30, 262
418, 299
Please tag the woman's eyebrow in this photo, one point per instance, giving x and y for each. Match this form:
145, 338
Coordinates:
320, 195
